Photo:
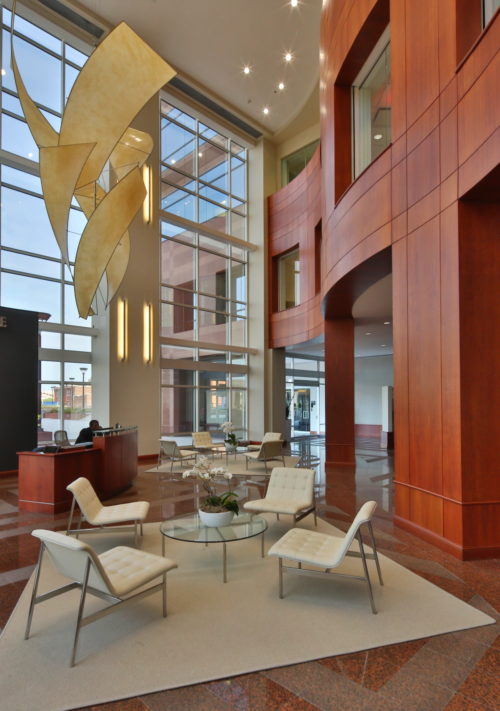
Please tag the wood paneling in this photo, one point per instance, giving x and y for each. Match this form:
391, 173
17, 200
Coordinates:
446, 146
422, 57
294, 213
339, 390
424, 357
110, 466
480, 348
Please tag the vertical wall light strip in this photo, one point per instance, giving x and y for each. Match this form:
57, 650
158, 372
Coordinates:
148, 333
147, 205
121, 330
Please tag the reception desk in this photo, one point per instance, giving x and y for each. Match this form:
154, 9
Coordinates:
110, 465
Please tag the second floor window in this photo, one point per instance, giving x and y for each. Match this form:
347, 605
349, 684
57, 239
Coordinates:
371, 97
289, 280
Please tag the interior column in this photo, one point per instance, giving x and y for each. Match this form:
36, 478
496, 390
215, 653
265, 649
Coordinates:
339, 390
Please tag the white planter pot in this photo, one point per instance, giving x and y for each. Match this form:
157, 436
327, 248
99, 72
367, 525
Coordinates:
223, 518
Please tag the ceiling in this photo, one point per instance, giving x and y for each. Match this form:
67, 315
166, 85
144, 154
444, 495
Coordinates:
210, 41
372, 313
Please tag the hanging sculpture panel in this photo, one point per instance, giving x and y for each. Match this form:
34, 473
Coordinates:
96, 157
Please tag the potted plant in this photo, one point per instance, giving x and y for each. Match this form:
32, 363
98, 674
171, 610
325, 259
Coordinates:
218, 509
230, 439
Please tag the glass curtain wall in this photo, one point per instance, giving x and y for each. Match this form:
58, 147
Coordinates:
32, 275
305, 394
203, 329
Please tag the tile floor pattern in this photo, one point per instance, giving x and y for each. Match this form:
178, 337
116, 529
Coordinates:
454, 672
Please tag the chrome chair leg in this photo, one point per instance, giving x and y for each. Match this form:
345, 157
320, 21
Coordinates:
71, 516
375, 553
34, 592
367, 575
164, 593
80, 612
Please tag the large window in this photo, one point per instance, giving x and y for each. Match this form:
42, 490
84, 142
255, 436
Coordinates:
489, 9
203, 273
371, 101
32, 275
295, 163
305, 394
289, 280
204, 173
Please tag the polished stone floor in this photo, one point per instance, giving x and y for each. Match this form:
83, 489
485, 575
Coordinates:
454, 672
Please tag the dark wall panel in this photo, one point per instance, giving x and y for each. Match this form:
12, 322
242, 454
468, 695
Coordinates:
18, 384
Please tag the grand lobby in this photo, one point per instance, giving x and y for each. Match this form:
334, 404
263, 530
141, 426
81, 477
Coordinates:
314, 252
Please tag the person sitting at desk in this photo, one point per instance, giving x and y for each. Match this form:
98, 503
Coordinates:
87, 433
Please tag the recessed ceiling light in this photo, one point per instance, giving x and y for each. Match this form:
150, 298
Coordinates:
265, 110
172, 161
377, 137
383, 345
281, 86
246, 69
368, 333
387, 323
294, 3
200, 155
288, 56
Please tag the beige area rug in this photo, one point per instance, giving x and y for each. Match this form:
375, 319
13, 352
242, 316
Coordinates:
213, 630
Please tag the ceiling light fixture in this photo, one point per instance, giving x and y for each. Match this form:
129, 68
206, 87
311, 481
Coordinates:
281, 86
246, 69
294, 3
368, 333
265, 110
172, 161
377, 137
288, 56
200, 155
383, 345
387, 323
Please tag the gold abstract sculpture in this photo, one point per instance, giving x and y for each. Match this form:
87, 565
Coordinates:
97, 157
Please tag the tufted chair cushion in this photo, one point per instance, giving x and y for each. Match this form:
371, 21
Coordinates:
290, 490
319, 548
117, 571
97, 514
86, 497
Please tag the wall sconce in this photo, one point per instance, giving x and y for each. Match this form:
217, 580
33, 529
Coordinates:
122, 330
147, 205
148, 333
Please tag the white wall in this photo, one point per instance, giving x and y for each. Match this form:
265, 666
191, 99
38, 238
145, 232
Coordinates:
370, 375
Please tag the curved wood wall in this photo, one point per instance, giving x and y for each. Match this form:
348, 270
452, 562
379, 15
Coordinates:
294, 218
431, 201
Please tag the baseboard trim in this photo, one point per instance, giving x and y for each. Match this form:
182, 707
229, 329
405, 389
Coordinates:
458, 551
147, 458
8, 473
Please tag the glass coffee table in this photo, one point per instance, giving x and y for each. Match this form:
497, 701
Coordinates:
191, 530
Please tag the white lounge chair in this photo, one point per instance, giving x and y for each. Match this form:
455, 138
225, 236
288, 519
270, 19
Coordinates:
324, 551
111, 576
92, 510
290, 491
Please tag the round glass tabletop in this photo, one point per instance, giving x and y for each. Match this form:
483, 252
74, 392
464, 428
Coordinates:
190, 528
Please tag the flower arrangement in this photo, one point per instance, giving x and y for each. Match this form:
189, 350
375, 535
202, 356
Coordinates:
207, 474
228, 429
